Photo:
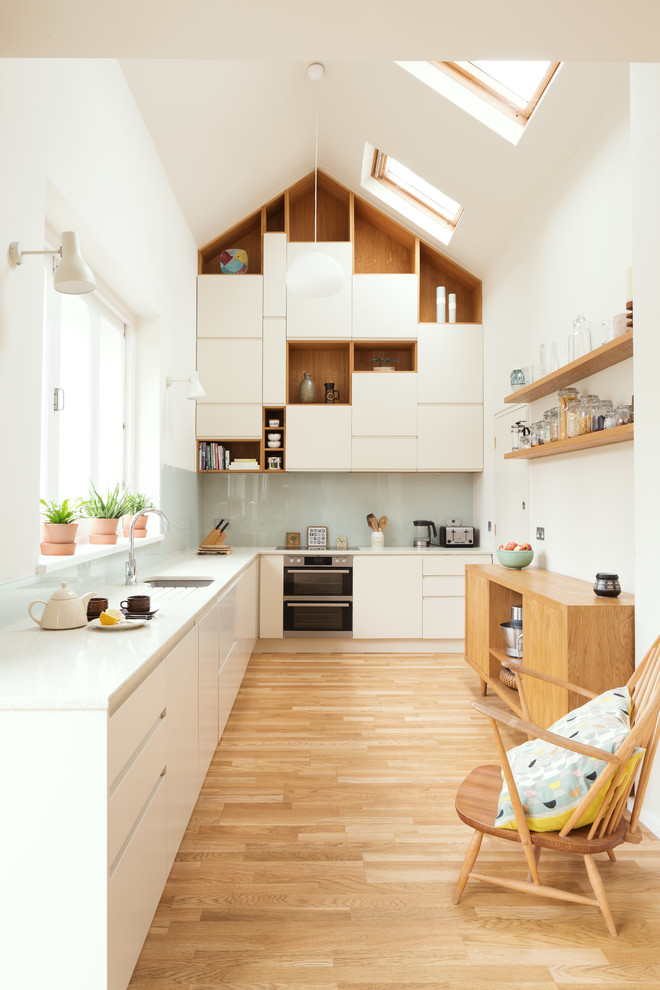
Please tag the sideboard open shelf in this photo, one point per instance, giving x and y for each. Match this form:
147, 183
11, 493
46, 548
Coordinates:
603, 438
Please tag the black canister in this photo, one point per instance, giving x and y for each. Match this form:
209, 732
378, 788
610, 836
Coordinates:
607, 585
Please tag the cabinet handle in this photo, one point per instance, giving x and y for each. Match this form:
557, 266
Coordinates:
317, 604
318, 570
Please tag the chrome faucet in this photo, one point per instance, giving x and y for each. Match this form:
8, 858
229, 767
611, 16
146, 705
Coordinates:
131, 568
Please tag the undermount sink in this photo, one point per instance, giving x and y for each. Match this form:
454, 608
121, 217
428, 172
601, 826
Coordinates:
179, 582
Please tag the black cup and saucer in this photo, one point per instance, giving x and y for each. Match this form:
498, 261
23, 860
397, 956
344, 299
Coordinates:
137, 607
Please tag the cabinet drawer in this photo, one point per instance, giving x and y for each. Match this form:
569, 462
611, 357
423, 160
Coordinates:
134, 720
134, 890
454, 564
443, 618
131, 794
443, 585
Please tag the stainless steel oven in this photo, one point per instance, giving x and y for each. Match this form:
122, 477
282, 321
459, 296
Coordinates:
318, 595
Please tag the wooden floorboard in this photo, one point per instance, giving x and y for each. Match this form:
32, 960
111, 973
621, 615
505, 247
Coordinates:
324, 849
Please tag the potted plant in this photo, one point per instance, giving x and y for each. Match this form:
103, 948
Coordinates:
59, 528
104, 513
136, 502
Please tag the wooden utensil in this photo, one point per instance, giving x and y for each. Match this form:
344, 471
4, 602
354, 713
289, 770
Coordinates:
382, 523
372, 522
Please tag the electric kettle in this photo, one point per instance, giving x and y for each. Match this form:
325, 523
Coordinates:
422, 532
64, 610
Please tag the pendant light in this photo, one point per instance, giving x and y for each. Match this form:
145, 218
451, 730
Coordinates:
315, 273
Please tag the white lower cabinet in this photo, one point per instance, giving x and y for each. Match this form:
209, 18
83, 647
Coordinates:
318, 438
208, 693
443, 589
238, 624
182, 738
387, 597
271, 583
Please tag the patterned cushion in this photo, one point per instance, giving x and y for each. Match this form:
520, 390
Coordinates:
551, 781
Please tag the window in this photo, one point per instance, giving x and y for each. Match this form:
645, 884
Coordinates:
502, 95
416, 190
515, 88
85, 395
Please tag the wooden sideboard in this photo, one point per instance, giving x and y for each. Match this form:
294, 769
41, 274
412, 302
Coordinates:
568, 632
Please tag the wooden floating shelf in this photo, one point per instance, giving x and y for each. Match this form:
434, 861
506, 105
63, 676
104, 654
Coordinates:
611, 353
604, 438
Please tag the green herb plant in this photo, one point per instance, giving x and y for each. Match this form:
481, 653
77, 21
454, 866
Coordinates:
112, 506
60, 513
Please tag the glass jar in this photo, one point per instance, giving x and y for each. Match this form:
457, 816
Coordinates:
579, 339
624, 415
588, 403
610, 418
573, 419
566, 397
534, 430
546, 432
554, 423
600, 414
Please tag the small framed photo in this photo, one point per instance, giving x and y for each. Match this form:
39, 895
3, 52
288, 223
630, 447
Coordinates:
342, 543
317, 537
292, 541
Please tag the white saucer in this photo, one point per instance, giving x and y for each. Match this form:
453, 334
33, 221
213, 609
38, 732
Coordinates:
122, 624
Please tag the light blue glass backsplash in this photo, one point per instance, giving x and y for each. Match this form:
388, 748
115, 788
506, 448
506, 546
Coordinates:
264, 507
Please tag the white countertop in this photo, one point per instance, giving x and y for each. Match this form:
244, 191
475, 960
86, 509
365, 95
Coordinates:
90, 668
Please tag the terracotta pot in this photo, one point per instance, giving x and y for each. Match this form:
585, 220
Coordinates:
103, 531
59, 539
140, 530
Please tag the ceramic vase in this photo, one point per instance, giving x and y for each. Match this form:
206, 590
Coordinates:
307, 388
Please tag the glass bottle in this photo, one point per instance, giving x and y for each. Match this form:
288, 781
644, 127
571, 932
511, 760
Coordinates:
579, 339
566, 396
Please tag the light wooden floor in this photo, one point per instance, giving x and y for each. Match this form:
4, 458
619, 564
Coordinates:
324, 849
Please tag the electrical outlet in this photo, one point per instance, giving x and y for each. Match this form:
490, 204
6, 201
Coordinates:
540, 532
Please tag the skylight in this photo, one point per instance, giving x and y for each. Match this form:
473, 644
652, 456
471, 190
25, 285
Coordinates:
501, 94
409, 194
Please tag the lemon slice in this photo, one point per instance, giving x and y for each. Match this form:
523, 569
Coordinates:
106, 619
115, 613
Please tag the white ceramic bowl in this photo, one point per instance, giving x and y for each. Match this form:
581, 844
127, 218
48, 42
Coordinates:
274, 444
273, 422
274, 436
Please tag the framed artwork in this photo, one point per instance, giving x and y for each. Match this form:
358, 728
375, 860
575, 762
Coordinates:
317, 537
292, 541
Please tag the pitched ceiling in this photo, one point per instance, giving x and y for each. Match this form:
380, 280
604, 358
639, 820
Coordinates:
224, 93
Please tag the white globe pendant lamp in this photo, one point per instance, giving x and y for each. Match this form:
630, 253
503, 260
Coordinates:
315, 273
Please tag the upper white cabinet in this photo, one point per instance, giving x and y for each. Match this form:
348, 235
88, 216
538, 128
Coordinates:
450, 438
318, 438
328, 317
221, 420
385, 307
385, 405
274, 275
229, 305
274, 361
230, 370
387, 597
450, 362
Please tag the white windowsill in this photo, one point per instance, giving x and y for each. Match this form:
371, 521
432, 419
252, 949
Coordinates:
86, 552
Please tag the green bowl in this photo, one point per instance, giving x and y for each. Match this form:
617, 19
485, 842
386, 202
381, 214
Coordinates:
515, 559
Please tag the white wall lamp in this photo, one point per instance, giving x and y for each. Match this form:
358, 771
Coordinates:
315, 273
73, 275
195, 387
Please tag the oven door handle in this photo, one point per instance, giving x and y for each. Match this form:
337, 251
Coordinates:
317, 570
317, 604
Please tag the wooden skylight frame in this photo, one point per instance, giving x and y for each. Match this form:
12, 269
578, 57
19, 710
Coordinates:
382, 172
495, 93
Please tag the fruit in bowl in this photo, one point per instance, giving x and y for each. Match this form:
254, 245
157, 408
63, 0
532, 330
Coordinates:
515, 555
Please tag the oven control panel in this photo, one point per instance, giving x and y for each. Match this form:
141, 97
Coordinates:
317, 560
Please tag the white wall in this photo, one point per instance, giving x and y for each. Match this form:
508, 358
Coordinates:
76, 151
645, 147
567, 257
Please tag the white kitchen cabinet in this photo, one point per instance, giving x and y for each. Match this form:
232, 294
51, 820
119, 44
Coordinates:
229, 305
182, 738
450, 363
239, 617
443, 589
385, 307
208, 689
271, 580
318, 438
274, 362
384, 405
387, 597
230, 370
378, 454
450, 438
327, 317
274, 268
220, 421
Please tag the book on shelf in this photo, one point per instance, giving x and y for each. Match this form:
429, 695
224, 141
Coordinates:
211, 456
244, 464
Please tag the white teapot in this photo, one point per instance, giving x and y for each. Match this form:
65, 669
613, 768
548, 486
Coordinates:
64, 610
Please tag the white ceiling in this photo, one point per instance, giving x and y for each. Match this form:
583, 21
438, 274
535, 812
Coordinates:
223, 90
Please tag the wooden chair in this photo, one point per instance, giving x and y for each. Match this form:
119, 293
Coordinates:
477, 797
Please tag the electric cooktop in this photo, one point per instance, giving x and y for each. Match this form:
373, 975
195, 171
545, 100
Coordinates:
317, 549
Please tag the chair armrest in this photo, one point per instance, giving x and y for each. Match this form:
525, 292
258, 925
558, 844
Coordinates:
515, 665
508, 718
